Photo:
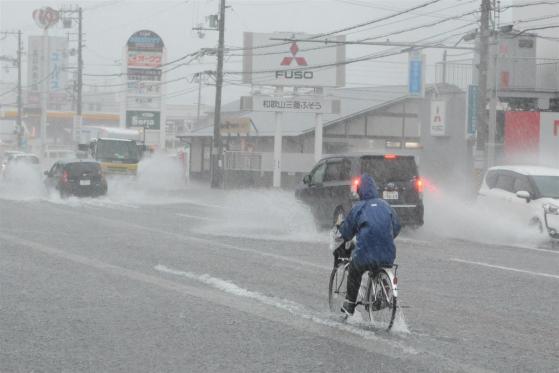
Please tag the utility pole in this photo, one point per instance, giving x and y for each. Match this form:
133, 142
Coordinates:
493, 72
19, 98
444, 65
217, 156
482, 127
199, 97
17, 61
67, 21
78, 119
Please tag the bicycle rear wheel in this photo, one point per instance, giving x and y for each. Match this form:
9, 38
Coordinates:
337, 287
382, 301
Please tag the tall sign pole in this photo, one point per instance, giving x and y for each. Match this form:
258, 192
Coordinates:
142, 106
45, 18
217, 154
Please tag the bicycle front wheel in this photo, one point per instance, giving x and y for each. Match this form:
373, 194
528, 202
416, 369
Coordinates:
337, 287
382, 301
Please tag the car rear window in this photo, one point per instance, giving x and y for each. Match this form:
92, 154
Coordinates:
83, 167
386, 170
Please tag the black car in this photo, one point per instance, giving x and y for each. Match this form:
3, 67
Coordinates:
76, 177
330, 187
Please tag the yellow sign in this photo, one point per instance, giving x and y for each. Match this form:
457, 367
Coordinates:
235, 125
119, 168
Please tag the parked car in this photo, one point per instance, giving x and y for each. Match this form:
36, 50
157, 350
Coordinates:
14, 160
526, 193
330, 191
76, 177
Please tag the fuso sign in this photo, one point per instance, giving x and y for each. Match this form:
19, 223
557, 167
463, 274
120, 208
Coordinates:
299, 64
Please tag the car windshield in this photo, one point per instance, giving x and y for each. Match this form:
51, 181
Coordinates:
548, 186
117, 150
385, 170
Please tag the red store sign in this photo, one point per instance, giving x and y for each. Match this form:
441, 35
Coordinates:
144, 59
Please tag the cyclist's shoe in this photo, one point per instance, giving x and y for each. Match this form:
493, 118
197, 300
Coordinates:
348, 308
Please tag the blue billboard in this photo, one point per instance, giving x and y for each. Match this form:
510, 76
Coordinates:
416, 84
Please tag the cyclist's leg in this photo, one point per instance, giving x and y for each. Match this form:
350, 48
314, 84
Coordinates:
355, 272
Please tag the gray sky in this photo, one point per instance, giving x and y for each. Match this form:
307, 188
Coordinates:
108, 24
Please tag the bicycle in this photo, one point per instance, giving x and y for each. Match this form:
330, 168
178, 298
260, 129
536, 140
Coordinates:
378, 292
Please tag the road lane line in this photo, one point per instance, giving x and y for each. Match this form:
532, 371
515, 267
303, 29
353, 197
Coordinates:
283, 304
198, 217
506, 268
221, 298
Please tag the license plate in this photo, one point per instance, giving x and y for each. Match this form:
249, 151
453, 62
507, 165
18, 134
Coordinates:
389, 195
85, 182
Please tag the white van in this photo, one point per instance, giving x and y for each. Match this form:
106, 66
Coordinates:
528, 193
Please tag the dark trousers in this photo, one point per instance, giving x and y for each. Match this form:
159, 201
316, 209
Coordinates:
355, 273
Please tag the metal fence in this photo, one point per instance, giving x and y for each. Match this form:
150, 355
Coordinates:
243, 161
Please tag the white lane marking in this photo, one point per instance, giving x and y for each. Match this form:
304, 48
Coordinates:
197, 217
283, 304
216, 297
505, 268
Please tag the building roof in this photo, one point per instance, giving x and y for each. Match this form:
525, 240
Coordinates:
353, 101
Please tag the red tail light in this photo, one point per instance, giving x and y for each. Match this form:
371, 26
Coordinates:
355, 184
390, 156
419, 185
395, 281
65, 177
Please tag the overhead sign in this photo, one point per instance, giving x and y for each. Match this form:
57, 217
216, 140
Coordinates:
297, 104
143, 119
298, 64
46, 17
416, 74
143, 102
58, 75
140, 87
235, 125
471, 125
438, 118
145, 53
144, 59
144, 74
145, 40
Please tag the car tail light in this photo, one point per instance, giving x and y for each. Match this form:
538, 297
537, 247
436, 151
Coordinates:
419, 184
65, 177
395, 281
390, 156
355, 184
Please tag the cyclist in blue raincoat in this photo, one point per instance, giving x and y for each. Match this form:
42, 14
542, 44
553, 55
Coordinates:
376, 224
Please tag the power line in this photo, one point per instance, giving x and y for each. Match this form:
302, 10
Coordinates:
377, 20
376, 37
29, 85
348, 28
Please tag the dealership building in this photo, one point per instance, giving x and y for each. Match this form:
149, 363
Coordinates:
375, 120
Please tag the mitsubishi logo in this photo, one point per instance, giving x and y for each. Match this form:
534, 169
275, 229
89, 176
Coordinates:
301, 61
